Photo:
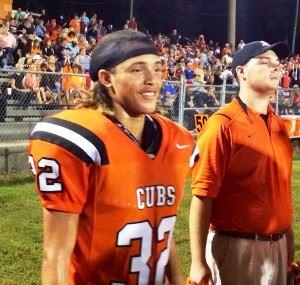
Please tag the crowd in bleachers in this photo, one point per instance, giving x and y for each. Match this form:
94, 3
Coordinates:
35, 42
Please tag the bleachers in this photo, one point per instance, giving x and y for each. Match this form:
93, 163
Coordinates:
18, 122
33, 113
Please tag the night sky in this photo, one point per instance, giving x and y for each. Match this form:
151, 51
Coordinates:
269, 20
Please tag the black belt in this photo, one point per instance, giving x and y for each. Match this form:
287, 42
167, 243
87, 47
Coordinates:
262, 237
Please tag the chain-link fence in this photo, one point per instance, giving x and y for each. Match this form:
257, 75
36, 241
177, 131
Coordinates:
27, 97
204, 99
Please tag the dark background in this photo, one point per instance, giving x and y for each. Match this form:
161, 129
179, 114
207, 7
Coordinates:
269, 20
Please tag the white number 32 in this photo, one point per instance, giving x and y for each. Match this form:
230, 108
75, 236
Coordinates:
49, 175
144, 232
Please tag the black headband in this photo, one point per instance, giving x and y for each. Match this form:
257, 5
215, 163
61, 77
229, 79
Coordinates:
117, 47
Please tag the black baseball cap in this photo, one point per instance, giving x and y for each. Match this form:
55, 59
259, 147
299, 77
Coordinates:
116, 47
256, 48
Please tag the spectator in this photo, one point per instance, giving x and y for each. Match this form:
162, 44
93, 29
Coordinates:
226, 50
240, 45
217, 50
63, 52
132, 25
92, 32
48, 49
25, 28
31, 82
168, 99
218, 76
75, 24
83, 60
82, 42
174, 37
52, 29
226, 60
44, 17
296, 99
40, 29
19, 15
101, 30
13, 23
201, 42
126, 25
210, 98
35, 48
24, 46
8, 44
189, 73
227, 75
62, 22
84, 21
54, 80
20, 93
92, 22
285, 80
210, 45
73, 46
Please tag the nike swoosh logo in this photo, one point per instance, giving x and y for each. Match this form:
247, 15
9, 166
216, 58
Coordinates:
182, 146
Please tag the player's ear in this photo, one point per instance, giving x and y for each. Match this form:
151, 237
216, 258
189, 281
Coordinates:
104, 77
240, 71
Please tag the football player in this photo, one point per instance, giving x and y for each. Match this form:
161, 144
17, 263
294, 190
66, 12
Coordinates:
111, 174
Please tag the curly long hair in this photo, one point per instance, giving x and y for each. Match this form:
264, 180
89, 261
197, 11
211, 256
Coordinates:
96, 98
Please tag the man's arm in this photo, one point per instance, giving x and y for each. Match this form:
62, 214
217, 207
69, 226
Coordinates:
200, 214
60, 230
173, 270
290, 245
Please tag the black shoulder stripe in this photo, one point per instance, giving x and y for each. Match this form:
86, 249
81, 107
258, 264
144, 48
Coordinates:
84, 132
64, 143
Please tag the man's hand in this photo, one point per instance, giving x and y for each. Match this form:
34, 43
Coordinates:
200, 275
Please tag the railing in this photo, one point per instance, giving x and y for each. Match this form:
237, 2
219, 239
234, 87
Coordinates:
26, 97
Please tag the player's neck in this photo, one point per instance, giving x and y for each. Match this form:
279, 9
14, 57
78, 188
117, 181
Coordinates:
256, 102
134, 124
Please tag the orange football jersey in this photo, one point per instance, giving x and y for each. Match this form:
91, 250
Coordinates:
127, 201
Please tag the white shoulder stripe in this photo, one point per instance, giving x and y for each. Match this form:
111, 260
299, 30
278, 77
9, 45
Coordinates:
71, 136
194, 156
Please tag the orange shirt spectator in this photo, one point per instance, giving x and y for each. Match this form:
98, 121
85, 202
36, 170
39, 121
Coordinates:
53, 30
286, 80
35, 49
75, 24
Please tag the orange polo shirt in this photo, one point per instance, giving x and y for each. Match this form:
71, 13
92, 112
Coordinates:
245, 166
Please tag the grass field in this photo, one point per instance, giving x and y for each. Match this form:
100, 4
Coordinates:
21, 239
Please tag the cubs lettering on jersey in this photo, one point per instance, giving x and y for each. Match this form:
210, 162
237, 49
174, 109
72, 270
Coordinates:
158, 196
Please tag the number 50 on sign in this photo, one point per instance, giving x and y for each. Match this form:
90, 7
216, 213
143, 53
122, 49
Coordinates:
200, 120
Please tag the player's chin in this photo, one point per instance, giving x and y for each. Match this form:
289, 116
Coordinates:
148, 108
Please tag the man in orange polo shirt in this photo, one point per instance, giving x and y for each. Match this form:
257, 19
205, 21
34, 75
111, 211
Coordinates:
241, 211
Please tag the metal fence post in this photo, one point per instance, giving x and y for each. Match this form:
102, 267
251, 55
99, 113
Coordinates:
223, 93
181, 101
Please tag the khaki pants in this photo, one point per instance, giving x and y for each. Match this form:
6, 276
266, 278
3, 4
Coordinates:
238, 261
